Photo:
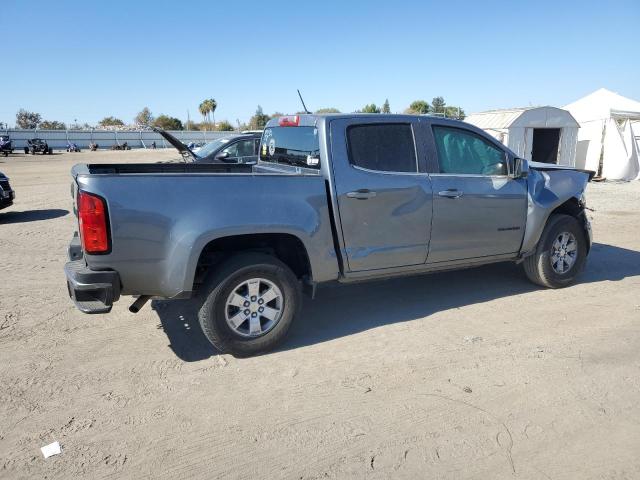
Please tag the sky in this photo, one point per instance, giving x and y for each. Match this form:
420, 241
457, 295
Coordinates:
79, 60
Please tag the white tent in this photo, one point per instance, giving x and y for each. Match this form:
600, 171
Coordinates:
609, 134
541, 134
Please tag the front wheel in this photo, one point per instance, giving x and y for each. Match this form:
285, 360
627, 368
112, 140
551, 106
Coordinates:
249, 304
560, 255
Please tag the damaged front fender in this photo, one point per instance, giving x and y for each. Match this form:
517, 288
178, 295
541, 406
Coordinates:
549, 190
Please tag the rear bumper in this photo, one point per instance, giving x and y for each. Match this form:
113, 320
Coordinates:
91, 291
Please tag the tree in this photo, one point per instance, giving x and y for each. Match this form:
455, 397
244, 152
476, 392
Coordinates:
259, 119
371, 108
454, 112
437, 105
144, 117
225, 126
418, 107
385, 106
111, 122
204, 109
276, 115
212, 108
191, 125
328, 110
207, 108
52, 125
167, 123
26, 119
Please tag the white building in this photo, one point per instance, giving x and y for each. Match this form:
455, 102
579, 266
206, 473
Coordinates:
609, 137
540, 134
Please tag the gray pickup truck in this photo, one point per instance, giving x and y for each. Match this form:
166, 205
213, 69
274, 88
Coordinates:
333, 197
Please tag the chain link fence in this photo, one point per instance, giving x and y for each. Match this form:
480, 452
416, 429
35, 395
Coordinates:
59, 139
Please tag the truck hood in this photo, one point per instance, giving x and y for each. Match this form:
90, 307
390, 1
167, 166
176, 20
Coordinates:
185, 151
547, 167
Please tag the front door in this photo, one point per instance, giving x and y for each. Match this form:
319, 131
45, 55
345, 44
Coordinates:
384, 203
478, 209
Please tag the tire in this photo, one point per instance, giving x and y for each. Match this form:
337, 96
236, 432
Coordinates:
221, 285
542, 268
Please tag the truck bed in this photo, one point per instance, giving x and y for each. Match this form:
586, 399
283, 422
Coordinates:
102, 168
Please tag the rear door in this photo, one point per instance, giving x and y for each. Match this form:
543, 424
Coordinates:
384, 200
478, 209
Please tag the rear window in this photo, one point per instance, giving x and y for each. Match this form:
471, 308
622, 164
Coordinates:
297, 146
382, 147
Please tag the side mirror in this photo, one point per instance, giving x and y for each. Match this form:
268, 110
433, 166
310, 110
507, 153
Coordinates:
222, 155
520, 168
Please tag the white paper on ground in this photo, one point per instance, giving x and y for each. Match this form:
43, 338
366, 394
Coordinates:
51, 449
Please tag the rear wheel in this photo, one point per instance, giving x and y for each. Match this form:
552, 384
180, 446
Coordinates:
560, 255
249, 304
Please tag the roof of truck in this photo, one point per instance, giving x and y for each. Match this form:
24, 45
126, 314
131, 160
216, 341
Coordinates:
309, 119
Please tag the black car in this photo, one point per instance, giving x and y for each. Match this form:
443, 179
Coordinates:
234, 148
37, 145
6, 192
5, 145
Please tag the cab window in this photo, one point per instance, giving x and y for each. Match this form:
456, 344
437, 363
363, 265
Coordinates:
297, 146
465, 152
382, 147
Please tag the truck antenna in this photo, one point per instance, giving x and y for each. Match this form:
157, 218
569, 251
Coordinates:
303, 105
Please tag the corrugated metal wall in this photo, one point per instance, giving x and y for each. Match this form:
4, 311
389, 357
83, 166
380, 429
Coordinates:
58, 139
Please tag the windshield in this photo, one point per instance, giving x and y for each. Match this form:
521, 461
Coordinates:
208, 148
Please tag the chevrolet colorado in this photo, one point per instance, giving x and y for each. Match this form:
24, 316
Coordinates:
333, 197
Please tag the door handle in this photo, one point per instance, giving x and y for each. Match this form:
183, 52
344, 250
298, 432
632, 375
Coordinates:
451, 193
362, 194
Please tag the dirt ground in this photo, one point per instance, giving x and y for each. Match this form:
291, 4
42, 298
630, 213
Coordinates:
470, 374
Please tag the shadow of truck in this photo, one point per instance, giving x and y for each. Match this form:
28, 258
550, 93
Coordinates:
373, 304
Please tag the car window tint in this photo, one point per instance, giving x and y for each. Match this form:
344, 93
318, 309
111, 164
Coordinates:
382, 147
232, 150
244, 148
464, 152
297, 146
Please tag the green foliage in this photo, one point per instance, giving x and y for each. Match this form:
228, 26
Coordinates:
144, 117
259, 119
371, 108
167, 123
328, 110
225, 126
207, 109
191, 125
111, 122
276, 115
385, 106
52, 125
418, 107
454, 112
26, 119
438, 105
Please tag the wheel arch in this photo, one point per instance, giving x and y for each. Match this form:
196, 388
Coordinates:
286, 247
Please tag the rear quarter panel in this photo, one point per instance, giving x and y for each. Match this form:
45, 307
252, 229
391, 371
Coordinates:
160, 223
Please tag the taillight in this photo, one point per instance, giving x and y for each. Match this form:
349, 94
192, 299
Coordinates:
92, 217
289, 121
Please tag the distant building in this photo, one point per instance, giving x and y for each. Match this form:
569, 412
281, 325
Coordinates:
540, 134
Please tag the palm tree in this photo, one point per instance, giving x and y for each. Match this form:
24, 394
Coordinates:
204, 109
212, 109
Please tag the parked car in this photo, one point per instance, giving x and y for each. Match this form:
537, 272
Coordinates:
333, 197
38, 145
7, 195
6, 147
234, 148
